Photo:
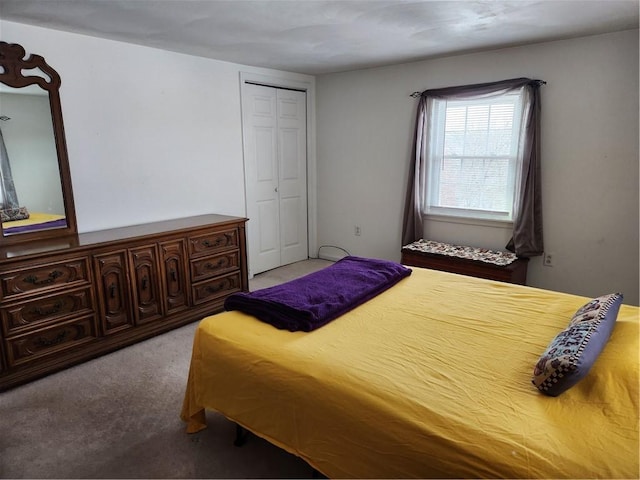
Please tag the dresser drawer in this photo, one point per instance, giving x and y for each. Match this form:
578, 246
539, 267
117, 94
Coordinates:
41, 343
44, 277
208, 267
213, 242
34, 313
216, 288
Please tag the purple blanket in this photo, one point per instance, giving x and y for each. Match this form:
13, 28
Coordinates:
314, 300
36, 226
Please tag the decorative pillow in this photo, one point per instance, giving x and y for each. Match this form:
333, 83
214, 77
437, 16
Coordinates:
570, 355
10, 214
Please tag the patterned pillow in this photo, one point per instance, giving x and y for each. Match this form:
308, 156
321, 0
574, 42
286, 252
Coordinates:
10, 214
570, 355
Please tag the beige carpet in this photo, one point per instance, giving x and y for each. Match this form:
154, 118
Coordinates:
118, 417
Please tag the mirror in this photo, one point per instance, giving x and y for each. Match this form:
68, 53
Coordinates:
35, 184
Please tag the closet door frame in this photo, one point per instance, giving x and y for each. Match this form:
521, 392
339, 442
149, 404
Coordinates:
307, 84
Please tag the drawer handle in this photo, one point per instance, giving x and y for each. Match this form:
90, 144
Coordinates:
33, 280
228, 237
174, 277
215, 266
209, 244
43, 342
217, 288
44, 312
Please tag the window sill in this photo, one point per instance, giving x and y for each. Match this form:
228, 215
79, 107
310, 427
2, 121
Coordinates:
507, 225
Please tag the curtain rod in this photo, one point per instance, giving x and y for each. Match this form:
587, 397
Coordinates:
418, 94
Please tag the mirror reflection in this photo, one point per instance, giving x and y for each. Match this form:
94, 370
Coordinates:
31, 194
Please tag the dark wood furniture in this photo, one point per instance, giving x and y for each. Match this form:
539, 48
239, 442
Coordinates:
20, 73
64, 297
515, 272
69, 299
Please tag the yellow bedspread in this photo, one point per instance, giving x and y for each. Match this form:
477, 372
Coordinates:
432, 378
34, 219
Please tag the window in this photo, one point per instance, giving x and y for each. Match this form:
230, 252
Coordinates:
477, 156
473, 161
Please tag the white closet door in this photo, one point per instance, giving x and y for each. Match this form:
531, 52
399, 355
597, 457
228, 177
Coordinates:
274, 126
292, 166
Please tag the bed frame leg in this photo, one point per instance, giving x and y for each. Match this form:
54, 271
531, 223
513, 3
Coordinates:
241, 436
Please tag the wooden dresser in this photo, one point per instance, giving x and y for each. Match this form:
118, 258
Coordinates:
65, 300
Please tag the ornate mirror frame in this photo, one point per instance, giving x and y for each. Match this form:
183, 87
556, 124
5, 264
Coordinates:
12, 64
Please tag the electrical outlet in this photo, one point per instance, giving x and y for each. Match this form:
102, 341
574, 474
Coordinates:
357, 230
548, 259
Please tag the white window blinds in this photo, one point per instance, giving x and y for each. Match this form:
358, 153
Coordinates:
473, 163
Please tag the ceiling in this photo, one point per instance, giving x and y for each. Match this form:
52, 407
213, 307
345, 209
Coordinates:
326, 36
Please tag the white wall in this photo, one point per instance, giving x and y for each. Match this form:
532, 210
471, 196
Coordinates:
365, 122
151, 134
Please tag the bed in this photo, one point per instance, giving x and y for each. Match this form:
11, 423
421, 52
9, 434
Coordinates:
35, 221
431, 379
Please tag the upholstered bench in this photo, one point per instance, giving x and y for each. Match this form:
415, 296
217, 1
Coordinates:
473, 261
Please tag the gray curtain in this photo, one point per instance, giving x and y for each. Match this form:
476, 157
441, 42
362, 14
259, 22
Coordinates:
413, 226
526, 240
9, 197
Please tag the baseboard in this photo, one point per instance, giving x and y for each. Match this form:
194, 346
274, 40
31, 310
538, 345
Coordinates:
332, 253
332, 258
